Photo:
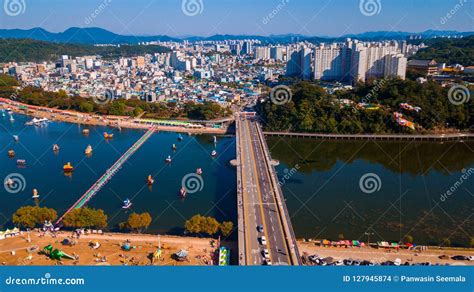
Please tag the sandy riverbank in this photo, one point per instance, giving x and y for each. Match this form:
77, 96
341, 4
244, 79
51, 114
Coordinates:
200, 250
379, 255
95, 120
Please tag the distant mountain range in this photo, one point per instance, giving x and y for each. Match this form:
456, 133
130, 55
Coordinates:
95, 35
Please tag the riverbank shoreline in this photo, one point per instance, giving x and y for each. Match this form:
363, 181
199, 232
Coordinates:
106, 121
132, 123
18, 250
432, 255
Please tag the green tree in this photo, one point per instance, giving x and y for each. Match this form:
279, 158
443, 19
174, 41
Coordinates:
86, 107
137, 111
194, 224
210, 226
226, 228
86, 218
138, 222
117, 108
32, 216
202, 224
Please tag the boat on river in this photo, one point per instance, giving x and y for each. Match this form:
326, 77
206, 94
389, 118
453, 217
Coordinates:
68, 168
11, 153
199, 171
37, 122
88, 150
168, 159
108, 136
182, 192
150, 181
127, 204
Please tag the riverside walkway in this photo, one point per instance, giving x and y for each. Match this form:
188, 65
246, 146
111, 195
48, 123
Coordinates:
105, 178
440, 137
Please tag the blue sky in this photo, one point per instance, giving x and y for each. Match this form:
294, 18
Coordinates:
260, 17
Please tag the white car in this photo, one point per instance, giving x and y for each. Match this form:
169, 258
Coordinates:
265, 254
263, 240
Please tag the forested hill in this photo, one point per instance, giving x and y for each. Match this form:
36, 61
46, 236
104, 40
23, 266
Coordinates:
450, 51
312, 110
26, 50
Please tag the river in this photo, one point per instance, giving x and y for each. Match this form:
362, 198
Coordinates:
405, 192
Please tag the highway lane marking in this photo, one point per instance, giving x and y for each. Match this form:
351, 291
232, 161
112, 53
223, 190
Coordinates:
259, 193
246, 222
268, 175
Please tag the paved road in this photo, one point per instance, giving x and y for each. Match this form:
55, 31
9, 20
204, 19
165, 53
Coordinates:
260, 206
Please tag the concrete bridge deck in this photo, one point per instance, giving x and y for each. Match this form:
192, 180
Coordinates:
260, 202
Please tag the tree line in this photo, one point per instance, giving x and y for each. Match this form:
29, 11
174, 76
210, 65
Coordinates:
449, 51
35, 216
27, 50
313, 110
199, 224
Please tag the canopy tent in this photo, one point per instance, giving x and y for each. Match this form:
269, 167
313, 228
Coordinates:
9, 233
182, 254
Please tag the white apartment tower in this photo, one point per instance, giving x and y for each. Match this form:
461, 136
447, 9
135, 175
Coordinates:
395, 66
299, 64
331, 62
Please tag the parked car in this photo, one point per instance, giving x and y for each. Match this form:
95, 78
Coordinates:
460, 258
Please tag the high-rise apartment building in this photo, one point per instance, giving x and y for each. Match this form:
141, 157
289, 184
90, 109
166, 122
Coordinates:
299, 64
332, 62
262, 53
357, 61
276, 53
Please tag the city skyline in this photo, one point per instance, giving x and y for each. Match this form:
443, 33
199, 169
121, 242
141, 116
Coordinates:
211, 17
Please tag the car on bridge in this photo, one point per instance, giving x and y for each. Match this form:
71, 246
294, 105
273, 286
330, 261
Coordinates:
263, 240
260, 228
266, 254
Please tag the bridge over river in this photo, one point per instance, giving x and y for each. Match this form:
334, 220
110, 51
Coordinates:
265, 232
